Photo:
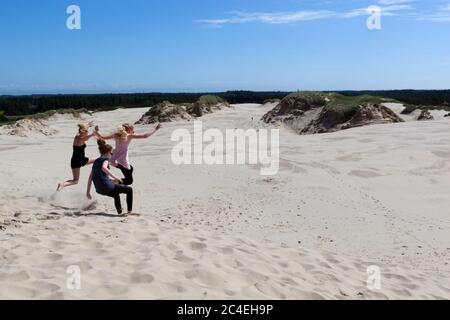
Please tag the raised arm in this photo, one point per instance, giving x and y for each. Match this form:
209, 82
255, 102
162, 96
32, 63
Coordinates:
90, 135
89, 185
145, 135
97, 133
109, 173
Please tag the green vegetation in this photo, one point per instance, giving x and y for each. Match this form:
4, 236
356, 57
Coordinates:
50, 113
194, 109
3, 119
203, 105
337, 108
271, 101
310, 97
409, 109
186, 105
445, 107
164, 112
347, 105
210, 100
164, 108
235, 97
41, 116
32, 104
425, 98
334, 102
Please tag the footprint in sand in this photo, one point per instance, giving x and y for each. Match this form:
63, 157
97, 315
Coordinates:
364, 174
141, 278
227, 250
269, 290
18, 276
52, 257
180, 256
198, 246
229, 293
204, 277
113, 290
45, 286
442, 154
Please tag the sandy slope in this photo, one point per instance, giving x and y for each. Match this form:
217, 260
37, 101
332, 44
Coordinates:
398, 108
341, 202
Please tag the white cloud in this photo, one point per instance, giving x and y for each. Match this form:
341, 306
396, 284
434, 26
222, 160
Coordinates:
441, 15
291, 17
270, 18
386, 11
394, 2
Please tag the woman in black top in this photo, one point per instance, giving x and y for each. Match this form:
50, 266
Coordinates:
105, 182
79, 158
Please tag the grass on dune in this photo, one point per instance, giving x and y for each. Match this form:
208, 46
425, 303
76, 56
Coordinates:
311, 97
50, 113
203, 103
209, 100
347, 105
339, 104
40, 116
3, 118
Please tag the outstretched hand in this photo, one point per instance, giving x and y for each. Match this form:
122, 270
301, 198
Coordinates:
90, 124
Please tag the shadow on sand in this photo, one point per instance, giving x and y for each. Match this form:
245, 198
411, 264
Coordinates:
96, 214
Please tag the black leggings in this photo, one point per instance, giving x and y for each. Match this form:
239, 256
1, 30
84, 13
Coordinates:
127, 174
118, 189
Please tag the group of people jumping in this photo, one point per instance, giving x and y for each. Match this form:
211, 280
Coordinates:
105, 181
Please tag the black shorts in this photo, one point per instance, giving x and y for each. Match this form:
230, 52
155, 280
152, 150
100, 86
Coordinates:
127, 174
76, 163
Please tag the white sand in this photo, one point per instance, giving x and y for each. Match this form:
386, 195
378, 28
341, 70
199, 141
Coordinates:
341, 202
398, 108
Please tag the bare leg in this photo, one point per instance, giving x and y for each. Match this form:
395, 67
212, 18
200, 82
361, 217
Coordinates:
74, 181
91, 161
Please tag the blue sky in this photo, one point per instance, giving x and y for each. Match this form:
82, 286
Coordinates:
212, 45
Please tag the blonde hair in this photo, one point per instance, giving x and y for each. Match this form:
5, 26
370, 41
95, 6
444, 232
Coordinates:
121, 134
82, 128
103, 147
128, 126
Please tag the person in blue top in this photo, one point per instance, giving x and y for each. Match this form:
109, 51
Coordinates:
105, 182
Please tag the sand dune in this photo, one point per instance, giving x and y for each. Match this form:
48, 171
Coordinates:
341, 202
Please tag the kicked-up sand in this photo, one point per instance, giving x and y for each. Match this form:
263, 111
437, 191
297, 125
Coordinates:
342, 207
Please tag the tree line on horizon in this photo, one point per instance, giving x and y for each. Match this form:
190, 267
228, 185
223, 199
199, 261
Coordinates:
32, 104
426, 98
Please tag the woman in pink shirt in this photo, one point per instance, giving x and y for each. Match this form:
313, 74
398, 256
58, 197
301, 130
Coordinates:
123, 138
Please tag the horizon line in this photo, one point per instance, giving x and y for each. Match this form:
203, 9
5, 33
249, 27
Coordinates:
205, 92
